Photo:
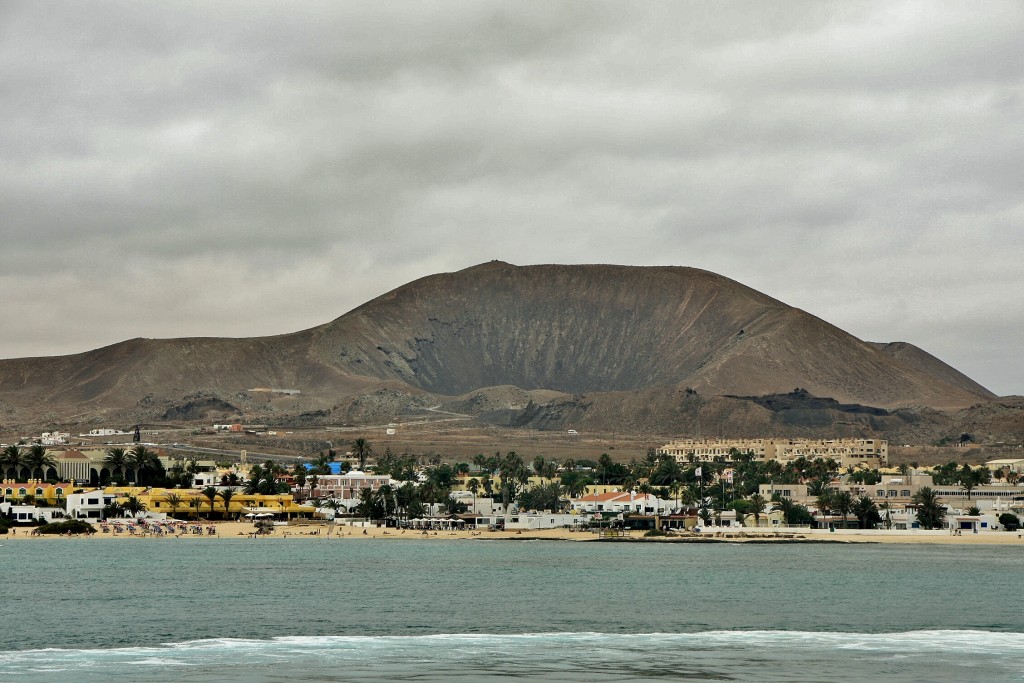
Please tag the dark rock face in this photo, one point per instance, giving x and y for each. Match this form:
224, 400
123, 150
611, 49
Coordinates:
634, 346
615, 328
200, 409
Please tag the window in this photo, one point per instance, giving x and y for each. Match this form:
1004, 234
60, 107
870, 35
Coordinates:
92, 501
905, 493
881, 493
892, 493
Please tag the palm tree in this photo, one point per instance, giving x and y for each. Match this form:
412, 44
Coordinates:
196, 502
134, 506
12, 460
538, 465
226, 496
970, 479
38, 461
842, 502
331, 504
211, 493
473, 486
142, 459
575, 484
757, 503
116, 459
822, 491
362, 450
382, 495
866, 512
113, 509
886, 507
930, 513
604, 463
175, 501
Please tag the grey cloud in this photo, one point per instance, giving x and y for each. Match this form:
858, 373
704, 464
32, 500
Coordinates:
190, 161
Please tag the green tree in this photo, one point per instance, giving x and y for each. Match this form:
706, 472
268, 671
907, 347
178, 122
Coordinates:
543, 497
38, 461
1010, 521
930, 513
211, 494
575, 483
113, 509
971, 478
842, 502
667, 472
514, 476
116, 461
604, 465
369, 506
361, 449
473, 486
144, 462
799, 515
757, 503
174, 500
226, 495
12, 460
866, 513
885, 512
134, 506
263, 479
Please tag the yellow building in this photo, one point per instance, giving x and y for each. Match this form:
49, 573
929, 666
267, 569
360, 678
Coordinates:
192, 503
45, 494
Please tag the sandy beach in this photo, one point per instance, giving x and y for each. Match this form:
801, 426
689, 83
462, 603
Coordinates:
343, 532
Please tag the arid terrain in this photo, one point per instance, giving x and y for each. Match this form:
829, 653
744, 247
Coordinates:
602, 349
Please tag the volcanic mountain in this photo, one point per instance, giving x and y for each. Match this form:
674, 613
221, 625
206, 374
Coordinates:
597, 330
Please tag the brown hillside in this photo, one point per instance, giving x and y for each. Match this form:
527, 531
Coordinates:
619, 331
617, 328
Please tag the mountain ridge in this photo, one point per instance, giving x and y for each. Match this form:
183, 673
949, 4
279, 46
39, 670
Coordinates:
579, 329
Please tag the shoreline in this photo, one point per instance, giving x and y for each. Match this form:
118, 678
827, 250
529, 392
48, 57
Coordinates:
327, 532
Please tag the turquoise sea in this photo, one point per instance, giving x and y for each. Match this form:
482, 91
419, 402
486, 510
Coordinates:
304, 609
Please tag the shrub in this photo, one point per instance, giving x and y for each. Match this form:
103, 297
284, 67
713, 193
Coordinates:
71, 526
1010, 521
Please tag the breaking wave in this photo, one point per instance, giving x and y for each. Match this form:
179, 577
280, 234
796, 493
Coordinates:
722, 655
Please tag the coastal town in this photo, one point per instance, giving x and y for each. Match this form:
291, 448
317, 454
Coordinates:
686, 488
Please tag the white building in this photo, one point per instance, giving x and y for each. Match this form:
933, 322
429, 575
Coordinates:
88, 505
104, 431
28, 514
623, 501
346, 488
54, 438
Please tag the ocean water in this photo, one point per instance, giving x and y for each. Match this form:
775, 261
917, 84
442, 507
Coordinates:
306, 609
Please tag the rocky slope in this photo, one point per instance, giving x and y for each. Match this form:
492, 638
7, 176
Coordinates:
632, 339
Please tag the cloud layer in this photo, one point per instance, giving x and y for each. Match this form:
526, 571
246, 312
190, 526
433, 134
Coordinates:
242, 169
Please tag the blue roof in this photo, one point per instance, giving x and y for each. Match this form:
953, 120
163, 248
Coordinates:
335, 467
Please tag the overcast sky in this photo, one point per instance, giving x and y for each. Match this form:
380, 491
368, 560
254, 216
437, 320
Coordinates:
252, 168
